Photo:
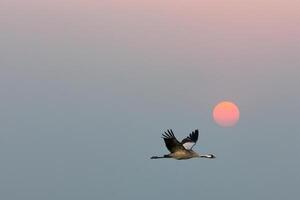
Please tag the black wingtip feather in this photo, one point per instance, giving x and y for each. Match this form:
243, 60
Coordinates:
194, 136
168, 134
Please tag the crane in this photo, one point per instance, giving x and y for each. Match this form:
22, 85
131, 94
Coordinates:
182, 150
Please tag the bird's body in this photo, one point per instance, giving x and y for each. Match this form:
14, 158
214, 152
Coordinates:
182, 150
184, 154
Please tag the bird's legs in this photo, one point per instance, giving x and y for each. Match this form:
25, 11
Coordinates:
157, 157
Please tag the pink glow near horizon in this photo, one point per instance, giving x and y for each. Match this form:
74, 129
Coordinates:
223, 28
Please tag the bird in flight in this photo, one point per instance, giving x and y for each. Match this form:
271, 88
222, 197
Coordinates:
181, 150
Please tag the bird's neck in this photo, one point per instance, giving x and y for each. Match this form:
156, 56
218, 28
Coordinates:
206, 156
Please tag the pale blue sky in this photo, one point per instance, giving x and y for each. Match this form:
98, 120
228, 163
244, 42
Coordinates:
87, 90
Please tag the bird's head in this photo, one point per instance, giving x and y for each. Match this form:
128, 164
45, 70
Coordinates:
211, 156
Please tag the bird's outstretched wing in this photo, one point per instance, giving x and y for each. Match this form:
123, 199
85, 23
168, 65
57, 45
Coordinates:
172, 143
190, 141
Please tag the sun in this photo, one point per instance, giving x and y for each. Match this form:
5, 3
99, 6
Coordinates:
226, 114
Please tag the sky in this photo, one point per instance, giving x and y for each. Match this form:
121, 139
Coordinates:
88, 87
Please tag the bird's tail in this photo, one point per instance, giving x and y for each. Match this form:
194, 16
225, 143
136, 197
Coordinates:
158, 157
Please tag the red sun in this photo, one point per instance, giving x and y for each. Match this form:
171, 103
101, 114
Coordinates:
226, 114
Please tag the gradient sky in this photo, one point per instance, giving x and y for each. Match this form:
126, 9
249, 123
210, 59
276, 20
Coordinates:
87, 88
